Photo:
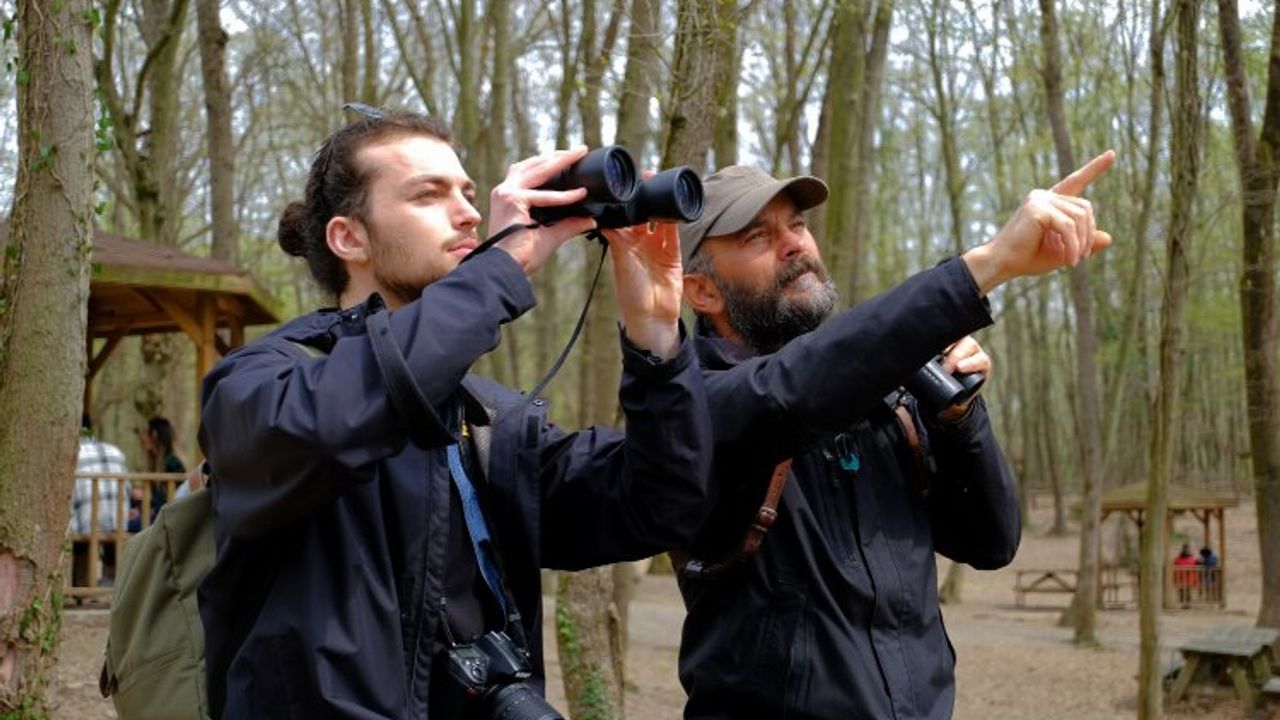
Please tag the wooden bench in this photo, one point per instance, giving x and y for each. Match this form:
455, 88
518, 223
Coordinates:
1241, 654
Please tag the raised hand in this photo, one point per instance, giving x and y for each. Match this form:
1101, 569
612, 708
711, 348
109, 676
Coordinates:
510, 201
1051, 229
648, 283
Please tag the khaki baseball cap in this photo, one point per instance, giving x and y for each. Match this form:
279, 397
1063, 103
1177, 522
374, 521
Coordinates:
735, 195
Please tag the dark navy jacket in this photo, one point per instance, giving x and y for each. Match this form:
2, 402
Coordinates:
837, 616
332, 511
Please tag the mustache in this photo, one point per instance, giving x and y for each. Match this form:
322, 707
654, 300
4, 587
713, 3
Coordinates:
801, 265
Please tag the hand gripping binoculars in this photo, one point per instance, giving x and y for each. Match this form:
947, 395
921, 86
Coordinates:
617, 197
936, 389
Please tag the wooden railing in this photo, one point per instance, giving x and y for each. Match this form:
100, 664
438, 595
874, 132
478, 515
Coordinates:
1196, 586
91, 545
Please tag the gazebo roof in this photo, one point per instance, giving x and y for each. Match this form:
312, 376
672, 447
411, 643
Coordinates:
137, 288
1134, 497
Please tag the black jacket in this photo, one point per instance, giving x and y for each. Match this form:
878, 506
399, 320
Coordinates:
332, 510
837, 616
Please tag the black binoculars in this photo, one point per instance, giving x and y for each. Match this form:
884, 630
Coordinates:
617, 197
935, 389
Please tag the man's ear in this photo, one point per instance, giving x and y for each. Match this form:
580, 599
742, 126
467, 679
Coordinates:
348, 239
703, 296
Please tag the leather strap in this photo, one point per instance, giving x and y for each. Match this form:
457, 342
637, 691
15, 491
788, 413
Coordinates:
918, 458
766, 516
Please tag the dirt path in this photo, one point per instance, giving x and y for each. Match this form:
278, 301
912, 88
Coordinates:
1013, 663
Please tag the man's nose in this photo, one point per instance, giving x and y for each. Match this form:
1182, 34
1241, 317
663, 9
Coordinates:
465, 214
790, 244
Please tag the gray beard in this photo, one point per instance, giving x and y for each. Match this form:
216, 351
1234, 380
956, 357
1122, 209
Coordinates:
767, 320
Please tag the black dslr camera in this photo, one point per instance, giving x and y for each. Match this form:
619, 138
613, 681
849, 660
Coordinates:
617, 197
486, 680
936, 389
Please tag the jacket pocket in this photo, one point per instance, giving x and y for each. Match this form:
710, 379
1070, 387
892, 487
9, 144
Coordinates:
781, 654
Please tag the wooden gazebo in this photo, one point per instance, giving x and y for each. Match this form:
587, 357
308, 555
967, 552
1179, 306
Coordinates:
139, 288
1204, 504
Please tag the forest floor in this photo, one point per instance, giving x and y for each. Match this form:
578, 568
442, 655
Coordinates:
1013, 662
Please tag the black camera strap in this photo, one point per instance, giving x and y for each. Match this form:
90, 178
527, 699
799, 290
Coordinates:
502, 234
582, 316
577, 329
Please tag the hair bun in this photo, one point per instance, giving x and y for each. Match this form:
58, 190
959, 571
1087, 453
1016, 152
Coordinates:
292, 231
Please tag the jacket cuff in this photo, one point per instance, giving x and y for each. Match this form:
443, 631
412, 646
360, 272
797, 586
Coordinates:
963, 283
967, 425
503, 270
646, 365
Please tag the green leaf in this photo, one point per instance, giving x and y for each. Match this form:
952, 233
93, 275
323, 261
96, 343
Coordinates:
95, 268
24, 76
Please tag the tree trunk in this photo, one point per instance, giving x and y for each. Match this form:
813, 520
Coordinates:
217, 103
1083, 610
643, 61
1259, 172
838, 131
728, 69
869, 118
350, 67
1185, 162
593, 671
149, 148
944, 112
952, 590
639, 78
587, 635
1134, 301
44, 291
701, 32
1047, 423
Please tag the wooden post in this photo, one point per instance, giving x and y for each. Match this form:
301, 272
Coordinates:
1222, 557
1165, 574
206, 348
92, 578
236, 335
87, 398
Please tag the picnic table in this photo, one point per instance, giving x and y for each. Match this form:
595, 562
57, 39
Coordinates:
1239, 652
1112, 581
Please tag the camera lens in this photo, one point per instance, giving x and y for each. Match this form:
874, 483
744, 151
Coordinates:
520, 702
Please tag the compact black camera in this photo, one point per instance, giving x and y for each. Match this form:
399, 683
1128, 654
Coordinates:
936, 389
486, 680
617, 197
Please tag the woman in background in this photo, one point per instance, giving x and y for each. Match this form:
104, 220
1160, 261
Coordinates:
157, 447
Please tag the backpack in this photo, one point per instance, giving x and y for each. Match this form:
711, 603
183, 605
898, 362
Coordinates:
154, 665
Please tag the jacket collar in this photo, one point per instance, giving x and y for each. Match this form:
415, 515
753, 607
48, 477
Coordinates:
716, 352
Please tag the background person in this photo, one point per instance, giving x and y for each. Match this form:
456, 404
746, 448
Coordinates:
94, 457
